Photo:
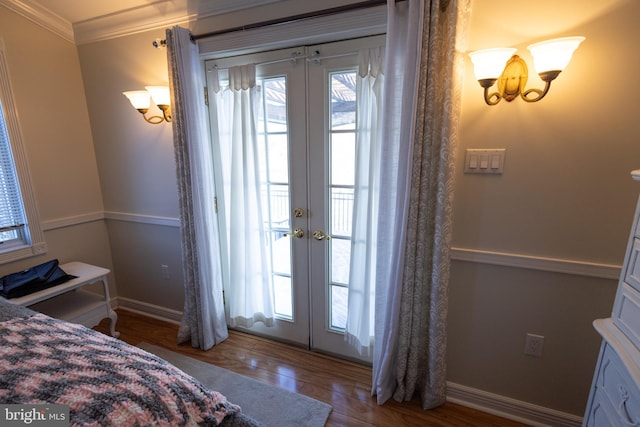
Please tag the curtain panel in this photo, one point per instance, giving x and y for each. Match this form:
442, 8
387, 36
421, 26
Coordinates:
401, 72
360, 314
203, 321
422, 331
424, 65
250, 296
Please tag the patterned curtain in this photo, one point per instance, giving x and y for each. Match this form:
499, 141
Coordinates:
421, 346
203, 322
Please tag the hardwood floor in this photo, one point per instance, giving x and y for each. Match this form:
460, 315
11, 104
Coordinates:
342, 384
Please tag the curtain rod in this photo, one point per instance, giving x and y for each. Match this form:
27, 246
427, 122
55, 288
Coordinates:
158, 43
294, 18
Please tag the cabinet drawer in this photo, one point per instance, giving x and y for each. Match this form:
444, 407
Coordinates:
614, 385
632, 272
626, 313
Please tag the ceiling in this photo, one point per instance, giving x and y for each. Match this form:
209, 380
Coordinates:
85, 21
75, 11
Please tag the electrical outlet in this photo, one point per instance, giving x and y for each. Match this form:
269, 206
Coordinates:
165, 271
533, 345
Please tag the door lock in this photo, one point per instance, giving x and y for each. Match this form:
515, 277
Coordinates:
320, 235
298, 233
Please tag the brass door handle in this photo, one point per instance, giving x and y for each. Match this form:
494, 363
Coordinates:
298, 233
320, 235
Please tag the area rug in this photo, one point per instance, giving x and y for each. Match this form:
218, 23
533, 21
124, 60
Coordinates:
273, 406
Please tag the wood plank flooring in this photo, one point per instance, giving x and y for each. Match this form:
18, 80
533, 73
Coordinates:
342, 384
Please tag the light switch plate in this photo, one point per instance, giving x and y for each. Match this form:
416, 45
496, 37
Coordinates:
484, 161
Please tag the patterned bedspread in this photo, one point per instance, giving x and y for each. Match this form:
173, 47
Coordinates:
103, 380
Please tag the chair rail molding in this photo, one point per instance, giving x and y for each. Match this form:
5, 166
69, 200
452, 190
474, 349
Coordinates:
532, 262
478, 256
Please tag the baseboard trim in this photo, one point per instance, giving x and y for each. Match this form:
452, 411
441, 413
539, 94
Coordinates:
150, 310
506, 407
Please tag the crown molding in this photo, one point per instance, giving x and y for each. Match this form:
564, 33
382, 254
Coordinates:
42, 16
156, 15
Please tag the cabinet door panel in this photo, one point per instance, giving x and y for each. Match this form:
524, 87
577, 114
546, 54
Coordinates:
626, 313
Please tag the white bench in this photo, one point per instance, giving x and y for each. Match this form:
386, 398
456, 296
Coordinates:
68, 302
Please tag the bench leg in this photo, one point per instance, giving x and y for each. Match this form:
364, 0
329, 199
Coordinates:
113, 318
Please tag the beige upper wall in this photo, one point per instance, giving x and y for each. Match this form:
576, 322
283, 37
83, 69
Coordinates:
135, 158
566, 191
46, 82
47, 86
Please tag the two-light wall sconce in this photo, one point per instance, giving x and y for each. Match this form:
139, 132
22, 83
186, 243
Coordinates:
141, 101
549, 59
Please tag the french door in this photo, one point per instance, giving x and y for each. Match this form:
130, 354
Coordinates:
307, 141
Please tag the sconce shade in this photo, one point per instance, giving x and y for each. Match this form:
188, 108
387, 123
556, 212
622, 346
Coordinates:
160, 94
554, 55
489, 63
140, 99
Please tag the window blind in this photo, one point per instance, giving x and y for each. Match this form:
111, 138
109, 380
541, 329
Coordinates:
11, 207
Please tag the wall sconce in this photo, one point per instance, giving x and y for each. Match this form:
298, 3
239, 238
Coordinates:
549, 59
141, 101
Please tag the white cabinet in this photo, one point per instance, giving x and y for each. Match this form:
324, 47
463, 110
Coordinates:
614, 399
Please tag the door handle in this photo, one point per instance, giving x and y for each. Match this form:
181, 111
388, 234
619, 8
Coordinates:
298, 233
320, 235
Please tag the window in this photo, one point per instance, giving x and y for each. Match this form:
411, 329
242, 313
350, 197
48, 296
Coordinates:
20, 232
12, 223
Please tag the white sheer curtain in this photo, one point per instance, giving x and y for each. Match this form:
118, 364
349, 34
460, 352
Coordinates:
203, 321
404, 25
250, 295
360, 317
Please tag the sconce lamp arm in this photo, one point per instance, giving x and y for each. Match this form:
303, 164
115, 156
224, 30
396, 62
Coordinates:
154, 120
541, 93
547, 77
166, 111
493, 98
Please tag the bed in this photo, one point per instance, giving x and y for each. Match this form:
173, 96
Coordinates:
102, 380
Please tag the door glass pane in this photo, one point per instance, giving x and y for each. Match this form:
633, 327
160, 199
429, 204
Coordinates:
339, 307
278, 155
343, 154
281, 253
342, 137
278, 203
276, 104
340, 258
274, 140
341, 211
283, 297
343, 100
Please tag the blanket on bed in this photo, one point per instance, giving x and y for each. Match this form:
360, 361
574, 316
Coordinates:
103, 380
